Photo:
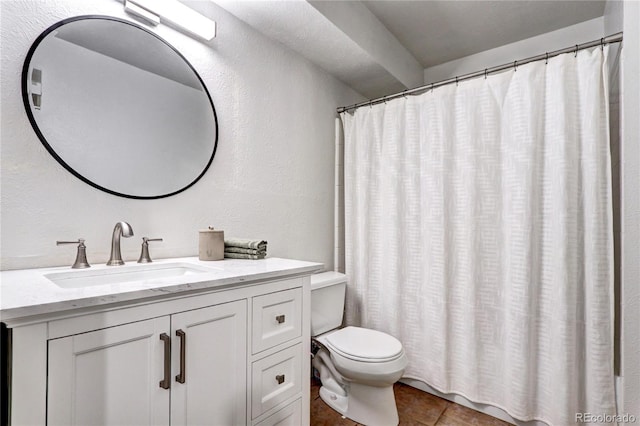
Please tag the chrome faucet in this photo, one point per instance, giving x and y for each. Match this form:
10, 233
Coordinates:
121, 229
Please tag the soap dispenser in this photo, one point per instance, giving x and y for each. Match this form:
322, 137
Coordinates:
211, 244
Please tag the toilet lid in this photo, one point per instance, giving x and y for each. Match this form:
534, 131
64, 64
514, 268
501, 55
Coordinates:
364, 344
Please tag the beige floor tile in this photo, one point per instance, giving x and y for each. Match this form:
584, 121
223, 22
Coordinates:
415, 408
458, 415
323, 415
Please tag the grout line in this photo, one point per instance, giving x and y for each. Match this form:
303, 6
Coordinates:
440, 416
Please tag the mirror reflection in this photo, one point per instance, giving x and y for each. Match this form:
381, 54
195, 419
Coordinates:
119, 107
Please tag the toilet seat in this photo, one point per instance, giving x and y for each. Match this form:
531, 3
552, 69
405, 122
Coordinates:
363, 345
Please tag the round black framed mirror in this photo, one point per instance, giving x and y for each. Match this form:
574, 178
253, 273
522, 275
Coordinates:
119, 107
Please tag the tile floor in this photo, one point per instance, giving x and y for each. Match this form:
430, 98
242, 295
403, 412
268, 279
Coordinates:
415, 408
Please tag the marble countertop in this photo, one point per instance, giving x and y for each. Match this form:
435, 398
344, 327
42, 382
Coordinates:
28, 292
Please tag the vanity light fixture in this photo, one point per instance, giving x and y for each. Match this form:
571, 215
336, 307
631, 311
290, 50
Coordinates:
175, 13
142, 13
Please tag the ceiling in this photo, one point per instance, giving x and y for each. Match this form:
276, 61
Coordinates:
382, 47
440, 31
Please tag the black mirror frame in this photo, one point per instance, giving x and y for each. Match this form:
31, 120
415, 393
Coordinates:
34, 125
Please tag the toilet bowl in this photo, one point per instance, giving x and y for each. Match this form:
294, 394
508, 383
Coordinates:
357, 366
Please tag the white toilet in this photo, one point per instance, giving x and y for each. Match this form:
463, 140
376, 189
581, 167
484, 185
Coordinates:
357, 366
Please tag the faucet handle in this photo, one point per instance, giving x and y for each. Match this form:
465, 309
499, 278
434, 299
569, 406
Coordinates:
144, 254
81, 257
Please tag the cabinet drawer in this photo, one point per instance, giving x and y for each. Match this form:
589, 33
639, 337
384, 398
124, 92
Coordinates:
275, 379
277, 318
291, 415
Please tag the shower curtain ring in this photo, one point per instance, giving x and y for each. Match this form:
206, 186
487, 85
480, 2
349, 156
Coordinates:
384, 99
602, 44
546, 58
575, 55
485, 73
515, 65
404, 94
431, 87
456, 80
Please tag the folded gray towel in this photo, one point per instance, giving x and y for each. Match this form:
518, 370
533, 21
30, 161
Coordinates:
244, 243
243, 256
231, 249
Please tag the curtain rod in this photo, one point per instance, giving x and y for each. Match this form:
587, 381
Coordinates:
613, 38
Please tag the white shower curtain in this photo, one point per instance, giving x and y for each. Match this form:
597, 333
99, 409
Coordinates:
478, 224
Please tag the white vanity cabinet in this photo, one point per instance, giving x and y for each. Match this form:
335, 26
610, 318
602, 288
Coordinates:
209, 378
231, 355
181, 369
108, 376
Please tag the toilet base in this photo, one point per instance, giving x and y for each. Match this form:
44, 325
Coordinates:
367, 405
337, 402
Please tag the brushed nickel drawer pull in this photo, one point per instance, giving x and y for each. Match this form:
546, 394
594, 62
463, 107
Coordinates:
181, 378
166, 382
280, 319
280, 378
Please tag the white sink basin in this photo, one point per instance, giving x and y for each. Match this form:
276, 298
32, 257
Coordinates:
124, 274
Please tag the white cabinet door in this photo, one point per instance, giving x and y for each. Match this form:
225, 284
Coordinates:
209, 354
109, 376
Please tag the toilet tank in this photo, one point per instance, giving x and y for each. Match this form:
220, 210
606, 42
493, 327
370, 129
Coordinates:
327, 301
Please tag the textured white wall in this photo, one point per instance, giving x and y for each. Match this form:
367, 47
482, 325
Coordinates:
613, 16
624, 16
630, 190
554, 40
612, 20
272, 176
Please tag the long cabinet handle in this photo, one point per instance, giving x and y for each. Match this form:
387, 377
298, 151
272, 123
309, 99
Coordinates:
180, 378
166, 382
